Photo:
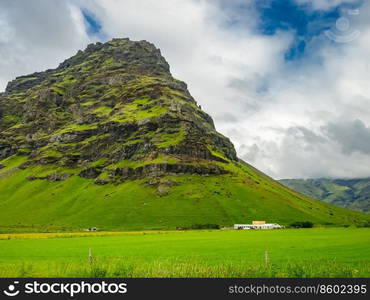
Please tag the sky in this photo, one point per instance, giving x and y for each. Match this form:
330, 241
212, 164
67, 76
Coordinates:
286, 80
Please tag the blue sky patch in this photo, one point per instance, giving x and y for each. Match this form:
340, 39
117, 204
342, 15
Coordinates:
93, 26
304, 21
288, 16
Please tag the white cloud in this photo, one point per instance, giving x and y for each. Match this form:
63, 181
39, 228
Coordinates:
192, 38
37, 35
334, 91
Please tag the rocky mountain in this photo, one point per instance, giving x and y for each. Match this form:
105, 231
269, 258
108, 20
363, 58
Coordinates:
110, 139
348, 193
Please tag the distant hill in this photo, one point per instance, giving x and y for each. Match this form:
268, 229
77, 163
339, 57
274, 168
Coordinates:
348, 193
110, 139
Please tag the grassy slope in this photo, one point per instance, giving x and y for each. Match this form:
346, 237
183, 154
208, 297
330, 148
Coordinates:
78, 203
295, 253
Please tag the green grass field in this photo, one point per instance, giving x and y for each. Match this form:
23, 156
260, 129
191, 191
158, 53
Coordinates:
317, 252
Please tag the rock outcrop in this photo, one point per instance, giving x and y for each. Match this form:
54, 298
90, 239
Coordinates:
111, 103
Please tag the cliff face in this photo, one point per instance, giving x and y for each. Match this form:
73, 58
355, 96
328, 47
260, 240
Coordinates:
107, 109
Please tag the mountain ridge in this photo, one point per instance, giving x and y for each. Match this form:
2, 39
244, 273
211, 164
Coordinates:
348, 193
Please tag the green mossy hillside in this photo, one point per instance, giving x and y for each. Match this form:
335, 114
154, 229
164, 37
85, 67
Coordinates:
167, 202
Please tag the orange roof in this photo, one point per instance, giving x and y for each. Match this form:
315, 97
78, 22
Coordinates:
258, 222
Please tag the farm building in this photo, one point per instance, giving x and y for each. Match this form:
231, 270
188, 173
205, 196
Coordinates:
258, 225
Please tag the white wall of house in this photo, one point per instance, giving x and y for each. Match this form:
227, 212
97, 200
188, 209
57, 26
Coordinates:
260, 226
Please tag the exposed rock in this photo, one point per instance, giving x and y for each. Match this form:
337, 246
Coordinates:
48, 160
112, 102
162, 189
90, 172
164, 185
138, 149
7, 150
102, 181
57, 176
158, 170
50, 177
73, 137
24, 165
31, 178
25, 82
69, 160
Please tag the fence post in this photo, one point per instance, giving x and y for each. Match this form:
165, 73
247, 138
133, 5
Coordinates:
90, 256
266, 257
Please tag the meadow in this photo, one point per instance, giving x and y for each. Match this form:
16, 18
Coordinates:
317, 252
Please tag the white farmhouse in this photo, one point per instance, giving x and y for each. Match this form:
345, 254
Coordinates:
258, 225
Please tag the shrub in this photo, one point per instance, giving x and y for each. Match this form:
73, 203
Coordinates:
201, 226
305, 224
365, 224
